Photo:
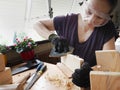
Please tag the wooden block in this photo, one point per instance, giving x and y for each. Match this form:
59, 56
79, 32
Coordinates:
2, 63
109, 60
9, 87
72, 61
65, 69
100, 80
5, 76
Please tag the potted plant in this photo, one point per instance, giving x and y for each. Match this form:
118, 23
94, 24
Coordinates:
3, 50
25, 48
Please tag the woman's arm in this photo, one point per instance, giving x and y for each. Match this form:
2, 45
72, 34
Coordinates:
44, 28
110, 45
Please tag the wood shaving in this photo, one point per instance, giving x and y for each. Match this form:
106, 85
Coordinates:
60, 81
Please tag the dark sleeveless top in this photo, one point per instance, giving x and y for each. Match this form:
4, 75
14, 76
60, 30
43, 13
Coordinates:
67, 27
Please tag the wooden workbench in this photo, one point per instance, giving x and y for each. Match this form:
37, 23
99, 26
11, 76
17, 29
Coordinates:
52, 79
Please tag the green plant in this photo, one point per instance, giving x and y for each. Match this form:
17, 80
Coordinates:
4, 49
24, 45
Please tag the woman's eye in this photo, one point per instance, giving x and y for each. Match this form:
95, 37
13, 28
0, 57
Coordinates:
99, 17
89, 12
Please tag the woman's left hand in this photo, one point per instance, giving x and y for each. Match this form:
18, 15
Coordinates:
81, 76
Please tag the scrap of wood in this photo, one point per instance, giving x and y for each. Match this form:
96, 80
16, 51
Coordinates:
101, 80
72, 61
2, 63
5, 76
109, 60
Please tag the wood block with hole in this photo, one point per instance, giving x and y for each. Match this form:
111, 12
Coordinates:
2, 63
6, 76
109, 60
100, 80
72, 61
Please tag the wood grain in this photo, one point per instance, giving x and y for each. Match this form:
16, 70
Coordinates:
105, 80
109, 60
72, 61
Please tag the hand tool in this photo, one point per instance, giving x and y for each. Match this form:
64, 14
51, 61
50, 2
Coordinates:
37, 69
57, 54
60, 46
25, 67
35, 77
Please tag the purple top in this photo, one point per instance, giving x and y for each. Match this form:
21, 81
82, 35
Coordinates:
67, 27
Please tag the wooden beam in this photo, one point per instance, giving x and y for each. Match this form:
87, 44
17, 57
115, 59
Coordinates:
100, 80
109, 60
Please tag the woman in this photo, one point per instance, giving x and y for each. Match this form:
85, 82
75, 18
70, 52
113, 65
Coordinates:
88, 31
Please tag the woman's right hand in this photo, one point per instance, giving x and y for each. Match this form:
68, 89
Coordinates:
61, 44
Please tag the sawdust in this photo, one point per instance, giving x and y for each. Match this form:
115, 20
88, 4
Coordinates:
60, 81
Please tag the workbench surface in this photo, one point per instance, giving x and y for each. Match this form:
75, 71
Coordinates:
51, 79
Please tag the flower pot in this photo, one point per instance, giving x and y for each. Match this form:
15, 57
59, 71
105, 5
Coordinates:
27, 55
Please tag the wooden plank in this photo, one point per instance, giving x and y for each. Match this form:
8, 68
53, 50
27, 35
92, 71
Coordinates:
72, 61
105, 80
109, 60
9, 87
2, 63
5, 76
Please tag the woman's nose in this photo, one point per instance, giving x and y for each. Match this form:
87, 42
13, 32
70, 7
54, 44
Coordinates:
92, 18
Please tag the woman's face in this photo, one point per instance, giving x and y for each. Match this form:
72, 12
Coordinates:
96, 12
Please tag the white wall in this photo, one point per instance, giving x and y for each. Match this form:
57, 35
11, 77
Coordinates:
13, 15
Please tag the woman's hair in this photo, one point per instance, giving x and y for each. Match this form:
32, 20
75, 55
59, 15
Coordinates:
113, 4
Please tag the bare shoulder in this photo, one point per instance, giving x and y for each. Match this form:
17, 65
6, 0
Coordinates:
110, 45
48, 23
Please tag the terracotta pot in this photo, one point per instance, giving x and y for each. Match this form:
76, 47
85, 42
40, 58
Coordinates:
27, 55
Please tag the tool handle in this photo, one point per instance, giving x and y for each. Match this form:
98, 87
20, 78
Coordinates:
35, 77
43, 69
39, 66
